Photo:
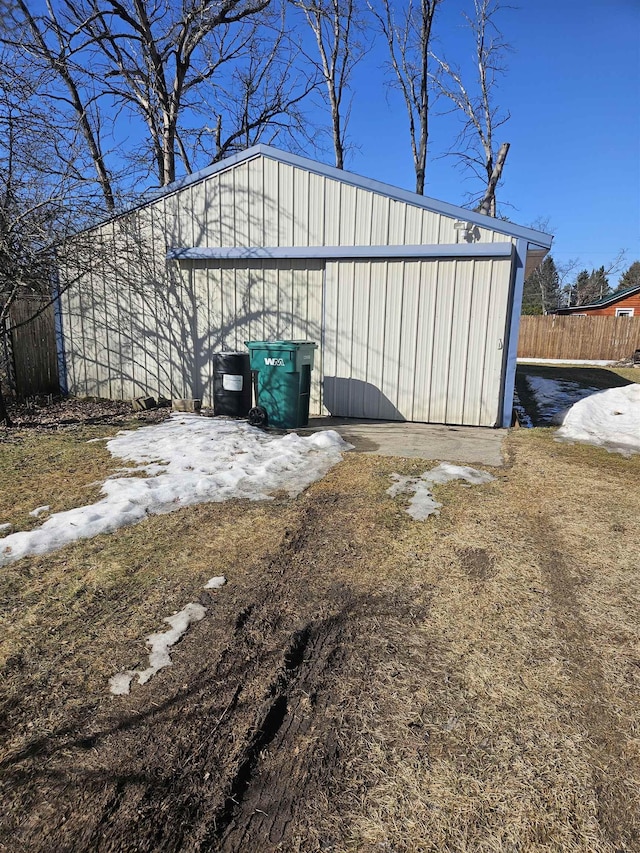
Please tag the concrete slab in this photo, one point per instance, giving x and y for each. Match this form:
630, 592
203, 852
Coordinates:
475, 445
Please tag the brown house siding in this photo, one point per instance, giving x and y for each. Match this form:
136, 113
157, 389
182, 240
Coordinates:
631, 301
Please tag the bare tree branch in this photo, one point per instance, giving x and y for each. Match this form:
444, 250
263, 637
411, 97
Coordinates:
407, 30
481, 117
337, 28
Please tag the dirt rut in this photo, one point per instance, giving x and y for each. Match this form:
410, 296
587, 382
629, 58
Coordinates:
239, 746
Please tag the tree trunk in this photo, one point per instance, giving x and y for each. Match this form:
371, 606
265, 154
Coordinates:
488, 203
337, 135
4, 414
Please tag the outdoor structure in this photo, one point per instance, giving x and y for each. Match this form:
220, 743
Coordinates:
414, 303
622, 303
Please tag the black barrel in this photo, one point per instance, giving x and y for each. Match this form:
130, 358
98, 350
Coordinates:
231, 384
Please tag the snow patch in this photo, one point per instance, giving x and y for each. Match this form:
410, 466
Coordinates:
609, 419
120, 684
184, 461
423, 504
4, 527
215, 583
597, 362
159, 645
39, 510
445, 472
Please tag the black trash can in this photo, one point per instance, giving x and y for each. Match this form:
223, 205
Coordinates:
231, 384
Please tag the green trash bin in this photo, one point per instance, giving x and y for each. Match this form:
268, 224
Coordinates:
283, 380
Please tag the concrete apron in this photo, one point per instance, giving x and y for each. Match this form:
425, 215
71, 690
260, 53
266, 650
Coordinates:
460, 444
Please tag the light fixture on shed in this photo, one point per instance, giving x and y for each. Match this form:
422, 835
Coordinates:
462, 229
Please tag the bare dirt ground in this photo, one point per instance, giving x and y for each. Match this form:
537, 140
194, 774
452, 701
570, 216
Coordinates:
364, 682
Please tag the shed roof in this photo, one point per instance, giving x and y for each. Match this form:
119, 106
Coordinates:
614, 297
537, 238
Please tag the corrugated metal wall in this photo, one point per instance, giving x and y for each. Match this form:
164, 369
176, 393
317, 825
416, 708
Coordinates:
129, 322
126, 336
406, 338
421, 340
238, 301
264, 202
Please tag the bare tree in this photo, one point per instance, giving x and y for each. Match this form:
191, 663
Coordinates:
43, 199
408, 32
337, 28
476, 102
261, 100
166, 70
47, 41
154, 57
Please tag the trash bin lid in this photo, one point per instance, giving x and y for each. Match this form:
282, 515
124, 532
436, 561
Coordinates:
280, 344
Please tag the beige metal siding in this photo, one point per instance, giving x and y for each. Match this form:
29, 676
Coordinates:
264, 202
131, 329
417, 340
406, 338
128, 317
239, 301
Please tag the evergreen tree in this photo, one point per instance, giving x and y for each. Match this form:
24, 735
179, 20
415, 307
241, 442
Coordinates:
541, 293
598, 285
631, 278
589, 287
577, 289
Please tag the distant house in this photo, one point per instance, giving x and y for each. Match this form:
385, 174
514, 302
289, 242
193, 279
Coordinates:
622, 303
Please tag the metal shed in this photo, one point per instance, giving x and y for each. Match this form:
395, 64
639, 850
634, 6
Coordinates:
414, 303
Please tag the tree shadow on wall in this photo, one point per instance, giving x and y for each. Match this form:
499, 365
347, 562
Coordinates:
136, 324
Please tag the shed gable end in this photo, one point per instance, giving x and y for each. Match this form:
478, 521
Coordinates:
265, 202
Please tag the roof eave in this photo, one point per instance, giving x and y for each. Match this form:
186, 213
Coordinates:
608, 300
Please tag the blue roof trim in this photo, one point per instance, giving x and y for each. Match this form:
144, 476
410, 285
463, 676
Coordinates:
443, 250
350, 178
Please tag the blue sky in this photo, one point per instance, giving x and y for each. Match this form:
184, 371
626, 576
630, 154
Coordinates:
573, 91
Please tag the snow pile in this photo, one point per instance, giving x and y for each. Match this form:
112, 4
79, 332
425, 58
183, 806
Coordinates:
555, 396
609, 419
159, 644
187, 460
423, 504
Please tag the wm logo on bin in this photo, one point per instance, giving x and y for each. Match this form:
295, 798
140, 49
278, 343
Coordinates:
274, 362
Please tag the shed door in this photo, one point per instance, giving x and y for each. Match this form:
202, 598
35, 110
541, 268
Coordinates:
417, 340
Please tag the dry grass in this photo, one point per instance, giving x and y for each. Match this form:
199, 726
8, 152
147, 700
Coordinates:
491, 701
630, 373
509, 719
57, 468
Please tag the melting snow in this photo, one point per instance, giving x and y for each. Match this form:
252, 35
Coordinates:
423, 504
215, 583
610, 419
187, 460
554, 396
4, 527
159, 644
39, 510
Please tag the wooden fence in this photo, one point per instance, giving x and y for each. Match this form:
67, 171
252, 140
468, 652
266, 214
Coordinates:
33, 347
576, 338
